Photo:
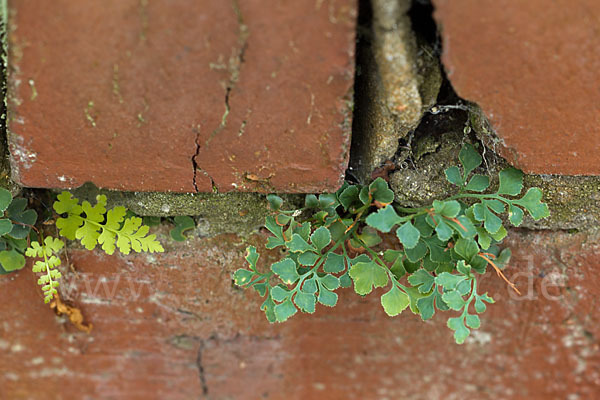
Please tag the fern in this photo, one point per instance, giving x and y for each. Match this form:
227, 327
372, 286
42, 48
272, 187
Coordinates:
183, 223
92, 225
441, 248
48, 251
15, 225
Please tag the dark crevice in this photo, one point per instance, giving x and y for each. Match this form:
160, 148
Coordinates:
4, 154
194, 163
423, 24
197, 168
364, 39
449, 114
3, 73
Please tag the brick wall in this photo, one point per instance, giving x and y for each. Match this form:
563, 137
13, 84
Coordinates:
257, 96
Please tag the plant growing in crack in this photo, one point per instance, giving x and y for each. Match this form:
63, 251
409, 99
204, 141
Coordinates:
91, 225
15, 227
183, 224
331, 243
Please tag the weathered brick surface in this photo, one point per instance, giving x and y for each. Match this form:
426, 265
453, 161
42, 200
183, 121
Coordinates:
181, 95
172, 326
534, 67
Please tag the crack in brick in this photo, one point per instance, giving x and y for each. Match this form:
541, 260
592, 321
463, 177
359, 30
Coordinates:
197, 168
214, 341
201, 371
235, 63
194, 163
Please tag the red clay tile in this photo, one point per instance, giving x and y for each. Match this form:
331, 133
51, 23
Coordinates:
172, 326
534, 68
132, 94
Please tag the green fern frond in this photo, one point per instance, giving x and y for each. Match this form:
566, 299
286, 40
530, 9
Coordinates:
47, 250
92, 225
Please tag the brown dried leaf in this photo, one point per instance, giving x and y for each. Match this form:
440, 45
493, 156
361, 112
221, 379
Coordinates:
74, 314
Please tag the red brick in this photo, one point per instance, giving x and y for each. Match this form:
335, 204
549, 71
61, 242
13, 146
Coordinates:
188, 315
160, 76
534, 67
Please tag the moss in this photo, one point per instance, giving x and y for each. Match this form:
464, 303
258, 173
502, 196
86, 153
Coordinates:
574, 201
240, 213
420, 182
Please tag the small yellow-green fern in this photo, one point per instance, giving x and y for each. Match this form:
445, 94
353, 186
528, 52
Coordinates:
47, 251
92, 225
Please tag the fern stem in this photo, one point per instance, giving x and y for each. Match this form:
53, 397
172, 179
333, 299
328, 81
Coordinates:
381, 262
411, 210
480, 196
321, 260
471, 297
104, 227
50, 281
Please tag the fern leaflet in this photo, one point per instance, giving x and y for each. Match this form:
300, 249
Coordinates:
92, 225
47, 250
